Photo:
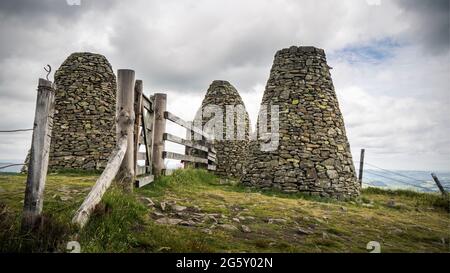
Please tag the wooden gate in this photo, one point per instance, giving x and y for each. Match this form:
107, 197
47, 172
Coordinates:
143, 137
147, 158
204, 156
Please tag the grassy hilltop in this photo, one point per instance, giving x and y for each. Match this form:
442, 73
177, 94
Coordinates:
194, 211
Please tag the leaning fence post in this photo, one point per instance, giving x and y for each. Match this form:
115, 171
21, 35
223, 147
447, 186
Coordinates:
438, 183
125, 126
38, 165
159, 128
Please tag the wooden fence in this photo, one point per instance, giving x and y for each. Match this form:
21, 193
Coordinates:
139, 154
205, 156
150, 136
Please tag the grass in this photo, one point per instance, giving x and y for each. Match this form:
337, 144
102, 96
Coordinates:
402, 221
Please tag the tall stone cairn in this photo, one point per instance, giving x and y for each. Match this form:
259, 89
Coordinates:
313, 155
84, 122
231, 154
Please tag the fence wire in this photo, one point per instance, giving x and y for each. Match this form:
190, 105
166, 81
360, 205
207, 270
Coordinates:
385, 171
396, 180
15, 130
11, 165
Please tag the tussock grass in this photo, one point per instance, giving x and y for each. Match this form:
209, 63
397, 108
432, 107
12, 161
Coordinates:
435, 200
47, 237
114, 225
402, 221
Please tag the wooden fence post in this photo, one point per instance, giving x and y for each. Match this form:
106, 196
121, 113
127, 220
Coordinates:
189, 150
38, 166
438, 183
159, 128
125, 125
361, 166
138, 91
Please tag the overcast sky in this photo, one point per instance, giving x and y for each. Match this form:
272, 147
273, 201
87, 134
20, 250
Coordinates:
390, 61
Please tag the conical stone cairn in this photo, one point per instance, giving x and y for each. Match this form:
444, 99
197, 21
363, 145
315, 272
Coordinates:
223, 115
313, 153
84, 133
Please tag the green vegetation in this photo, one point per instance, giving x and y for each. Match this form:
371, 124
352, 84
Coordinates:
203, 213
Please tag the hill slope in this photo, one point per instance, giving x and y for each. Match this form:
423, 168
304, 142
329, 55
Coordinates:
194, 211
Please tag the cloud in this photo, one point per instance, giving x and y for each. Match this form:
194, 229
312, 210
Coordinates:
396, 108
31, 10
35, 11
391, 61
187, 46
429, 23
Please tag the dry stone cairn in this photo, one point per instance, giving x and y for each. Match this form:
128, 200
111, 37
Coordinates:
313, 154
84, 121
232, 149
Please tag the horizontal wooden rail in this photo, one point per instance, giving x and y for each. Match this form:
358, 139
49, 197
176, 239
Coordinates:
185, 124
184, 142
145, 180
212, 158
102, 184
189, 158
211, 167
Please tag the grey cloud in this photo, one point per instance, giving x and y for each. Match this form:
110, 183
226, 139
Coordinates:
35, 11
30, 10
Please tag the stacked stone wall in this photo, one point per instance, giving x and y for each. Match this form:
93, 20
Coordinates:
313, 154
83, 134
231, 153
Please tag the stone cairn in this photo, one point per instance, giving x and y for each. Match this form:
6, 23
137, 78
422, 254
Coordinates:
313, 155
85, 105
231, 153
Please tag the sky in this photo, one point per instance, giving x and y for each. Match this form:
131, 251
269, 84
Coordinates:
390, 59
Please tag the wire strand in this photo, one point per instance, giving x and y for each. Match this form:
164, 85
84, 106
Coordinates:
396, 173
11, 165
399, 174
399, 181
15, 130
